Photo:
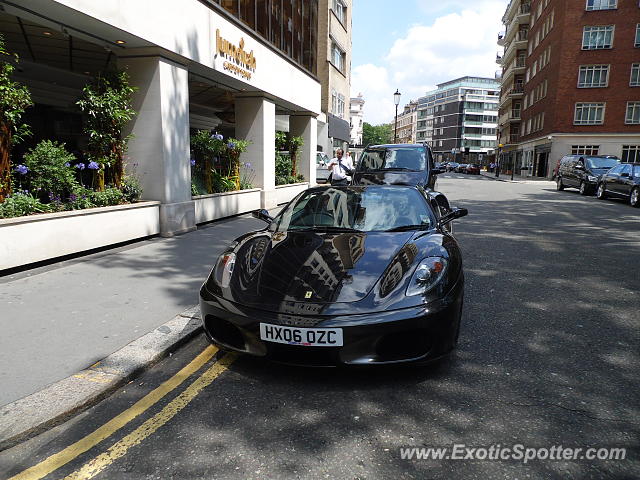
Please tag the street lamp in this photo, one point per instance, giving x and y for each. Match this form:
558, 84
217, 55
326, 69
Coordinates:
499, 161
396, 100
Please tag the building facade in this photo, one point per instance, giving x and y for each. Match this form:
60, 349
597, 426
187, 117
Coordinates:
334, 73
405, 127
225, 66
460, 114
356, 120
575, 84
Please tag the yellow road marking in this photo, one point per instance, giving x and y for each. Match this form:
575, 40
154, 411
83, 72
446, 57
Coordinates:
120, 448
63, 457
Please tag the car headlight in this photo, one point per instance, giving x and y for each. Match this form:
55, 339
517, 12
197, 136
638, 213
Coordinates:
428, 273
224, 269
591, 178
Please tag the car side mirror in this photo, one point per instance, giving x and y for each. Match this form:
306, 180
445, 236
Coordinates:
625, 175
262, 215
579, 167
452, 215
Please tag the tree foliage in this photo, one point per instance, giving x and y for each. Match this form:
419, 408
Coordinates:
107, 102
14, 99
376, 134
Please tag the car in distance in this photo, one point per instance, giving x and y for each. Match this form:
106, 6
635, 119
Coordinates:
348, 275
451, 166
472, 169
397, 164
622, 181
322, 173
461, 168
583, 171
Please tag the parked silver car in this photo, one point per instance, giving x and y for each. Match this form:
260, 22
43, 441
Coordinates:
322, 174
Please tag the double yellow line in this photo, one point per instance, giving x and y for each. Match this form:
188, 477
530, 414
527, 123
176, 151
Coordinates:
120, 448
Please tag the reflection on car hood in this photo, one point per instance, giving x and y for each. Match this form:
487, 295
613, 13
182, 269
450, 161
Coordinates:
389, 177
306, 266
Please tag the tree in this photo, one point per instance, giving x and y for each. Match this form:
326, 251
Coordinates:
376, 134
14, 99
108, 106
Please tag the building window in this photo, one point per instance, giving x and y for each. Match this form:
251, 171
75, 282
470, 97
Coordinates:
593, 76
602, 4
340, 10
635, 75
637, 43
633, 113
594, 38
589, 114
585, 149
338, 57
631, 153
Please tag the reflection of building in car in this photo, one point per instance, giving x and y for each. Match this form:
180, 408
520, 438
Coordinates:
399, 266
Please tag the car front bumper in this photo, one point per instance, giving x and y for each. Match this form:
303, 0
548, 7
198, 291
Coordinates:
417, 334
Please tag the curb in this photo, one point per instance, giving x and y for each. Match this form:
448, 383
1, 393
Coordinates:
51, 406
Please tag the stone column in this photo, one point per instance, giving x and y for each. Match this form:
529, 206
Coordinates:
159, 148
306, 126
256, 123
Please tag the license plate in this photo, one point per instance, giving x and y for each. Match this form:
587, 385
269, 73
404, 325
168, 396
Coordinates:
308, 337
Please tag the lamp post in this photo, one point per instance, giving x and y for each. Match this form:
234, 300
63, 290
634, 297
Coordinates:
499, 159
513, 164
396, 100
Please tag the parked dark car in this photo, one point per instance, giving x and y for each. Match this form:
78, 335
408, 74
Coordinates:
472, 169
460, 168
583, 171
622, 181
397, 164
355, 275
451, 166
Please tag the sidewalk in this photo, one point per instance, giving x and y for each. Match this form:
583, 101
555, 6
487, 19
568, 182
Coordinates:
516, 178
75, 331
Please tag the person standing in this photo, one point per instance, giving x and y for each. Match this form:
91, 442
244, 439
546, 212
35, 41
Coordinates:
341, 169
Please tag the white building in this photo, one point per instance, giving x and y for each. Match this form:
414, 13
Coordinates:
357, 119
225, 66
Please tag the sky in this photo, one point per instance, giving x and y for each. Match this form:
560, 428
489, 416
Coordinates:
412, 45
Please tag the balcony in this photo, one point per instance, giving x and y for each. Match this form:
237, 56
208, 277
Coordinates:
498, 59
501, 36
517, 91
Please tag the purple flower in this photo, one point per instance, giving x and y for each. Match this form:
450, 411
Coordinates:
80, 166
22, 169
193, 162
93, 166
67, 164
72, 197
231, 145
248, 165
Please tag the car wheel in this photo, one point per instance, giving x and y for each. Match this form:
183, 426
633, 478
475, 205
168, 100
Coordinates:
583, 188
634, 198
600, 193
559, 184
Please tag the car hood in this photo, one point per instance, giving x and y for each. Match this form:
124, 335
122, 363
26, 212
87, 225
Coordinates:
384, 177
276, 268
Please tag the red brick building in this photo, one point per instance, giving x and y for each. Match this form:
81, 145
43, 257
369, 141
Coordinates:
580, 87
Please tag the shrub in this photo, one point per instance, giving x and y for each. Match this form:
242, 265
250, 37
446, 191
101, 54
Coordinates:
80, 199
131, 188
110, 196
50, 171
283, 165
22, 203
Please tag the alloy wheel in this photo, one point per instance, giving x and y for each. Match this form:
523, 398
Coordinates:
634, 199
600, 193
583, 188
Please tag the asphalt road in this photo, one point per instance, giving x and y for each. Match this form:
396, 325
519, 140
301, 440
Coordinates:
549, 355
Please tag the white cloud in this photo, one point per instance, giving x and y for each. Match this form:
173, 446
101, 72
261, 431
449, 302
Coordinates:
454, 45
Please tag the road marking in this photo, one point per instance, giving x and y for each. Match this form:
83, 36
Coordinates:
120, 448
63, 457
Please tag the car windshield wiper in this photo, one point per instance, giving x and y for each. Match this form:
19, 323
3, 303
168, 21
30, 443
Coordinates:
407, 228
323, 228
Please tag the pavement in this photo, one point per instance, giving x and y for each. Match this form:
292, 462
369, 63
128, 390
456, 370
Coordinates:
120, 311
516, 178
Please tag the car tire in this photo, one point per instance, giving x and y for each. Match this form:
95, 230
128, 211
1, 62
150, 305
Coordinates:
600, 192
583, 188
559, 184
634, 198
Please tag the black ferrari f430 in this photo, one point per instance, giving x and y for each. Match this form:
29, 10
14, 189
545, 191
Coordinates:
353, 275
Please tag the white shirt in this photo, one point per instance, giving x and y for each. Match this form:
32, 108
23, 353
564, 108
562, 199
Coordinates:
337, 172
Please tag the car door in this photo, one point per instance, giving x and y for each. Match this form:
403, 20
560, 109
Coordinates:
611, 179
625, 181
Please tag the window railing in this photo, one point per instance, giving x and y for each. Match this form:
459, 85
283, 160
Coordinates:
523, 35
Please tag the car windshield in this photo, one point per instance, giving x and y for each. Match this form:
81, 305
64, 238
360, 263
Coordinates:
393, 158
363, 209
602, 162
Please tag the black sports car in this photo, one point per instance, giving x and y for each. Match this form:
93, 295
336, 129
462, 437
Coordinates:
342, 275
